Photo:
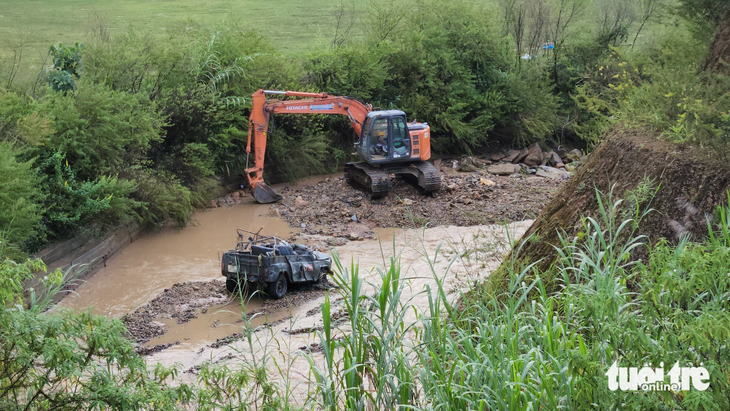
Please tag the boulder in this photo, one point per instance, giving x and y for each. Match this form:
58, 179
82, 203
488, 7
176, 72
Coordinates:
554, 159
503, 169
574, 155
512, 156
498, 156
534, 155
562, 152
521, 156
551, 172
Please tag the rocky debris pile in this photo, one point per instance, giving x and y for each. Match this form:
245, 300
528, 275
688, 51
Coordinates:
532, 160
331, 211
228, 200
181, 302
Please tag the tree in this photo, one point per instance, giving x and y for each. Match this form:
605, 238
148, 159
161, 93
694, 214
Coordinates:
20, 197
704, 15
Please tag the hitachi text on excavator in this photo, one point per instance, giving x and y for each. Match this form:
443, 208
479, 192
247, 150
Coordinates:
387, 143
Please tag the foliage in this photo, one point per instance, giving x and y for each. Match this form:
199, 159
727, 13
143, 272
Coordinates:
20, 197
159, 195
100, 129
73, 203
704, 15
77, 361
66, 67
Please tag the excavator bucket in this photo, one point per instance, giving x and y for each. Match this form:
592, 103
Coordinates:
265, 194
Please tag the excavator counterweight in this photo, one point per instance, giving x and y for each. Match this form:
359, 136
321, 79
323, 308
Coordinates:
386, 143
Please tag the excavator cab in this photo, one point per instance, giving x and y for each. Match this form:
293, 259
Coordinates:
385, 138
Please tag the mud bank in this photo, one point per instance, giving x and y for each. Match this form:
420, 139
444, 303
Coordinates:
692, 182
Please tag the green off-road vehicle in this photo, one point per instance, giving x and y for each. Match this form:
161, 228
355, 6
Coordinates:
271, 264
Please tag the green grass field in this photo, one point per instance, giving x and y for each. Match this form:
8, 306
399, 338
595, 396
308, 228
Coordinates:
32, 26
37, 24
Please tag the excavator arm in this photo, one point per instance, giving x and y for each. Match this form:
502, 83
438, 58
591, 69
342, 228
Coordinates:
309, 103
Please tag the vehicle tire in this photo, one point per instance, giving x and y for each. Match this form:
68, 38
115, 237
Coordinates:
277, 289
232, 285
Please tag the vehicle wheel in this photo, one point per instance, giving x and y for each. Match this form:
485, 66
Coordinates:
277, 289
232, 285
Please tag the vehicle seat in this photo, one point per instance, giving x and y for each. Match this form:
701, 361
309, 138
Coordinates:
285, 250
258, 250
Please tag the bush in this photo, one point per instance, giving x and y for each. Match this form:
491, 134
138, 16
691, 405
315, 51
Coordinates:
20, 197
73, 204
100, 130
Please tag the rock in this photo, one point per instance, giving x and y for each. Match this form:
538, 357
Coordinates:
559, 165
551, 172
498, 156
554, 159
275, 212
534, 155
469, 164
521, 156
503, 169
354, 217
303, 226
562, 152
196, 288
354, 236
486, 182
574, 155
512, 156
407, 201
300, 202
213, 204
437, 163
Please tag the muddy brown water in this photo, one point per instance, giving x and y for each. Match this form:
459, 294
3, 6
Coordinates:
172, 255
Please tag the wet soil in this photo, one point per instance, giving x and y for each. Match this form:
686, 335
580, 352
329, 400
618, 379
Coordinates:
333, 208
181, 302
187, 301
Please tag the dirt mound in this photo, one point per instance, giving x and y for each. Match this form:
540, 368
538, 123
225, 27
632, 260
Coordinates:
181, 302
718, 60
334, 208
693, 182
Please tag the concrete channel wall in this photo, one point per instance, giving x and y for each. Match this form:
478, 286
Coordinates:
87, 254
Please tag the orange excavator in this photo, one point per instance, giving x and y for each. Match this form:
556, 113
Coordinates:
386, 142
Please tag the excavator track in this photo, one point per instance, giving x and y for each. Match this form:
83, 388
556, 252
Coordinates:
376, 178
373, 179
429, 177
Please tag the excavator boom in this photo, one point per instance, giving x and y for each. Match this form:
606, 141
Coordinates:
387, 143
312, 103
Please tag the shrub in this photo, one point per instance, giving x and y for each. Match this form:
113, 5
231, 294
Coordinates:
99, 129
74, 203
20, 197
